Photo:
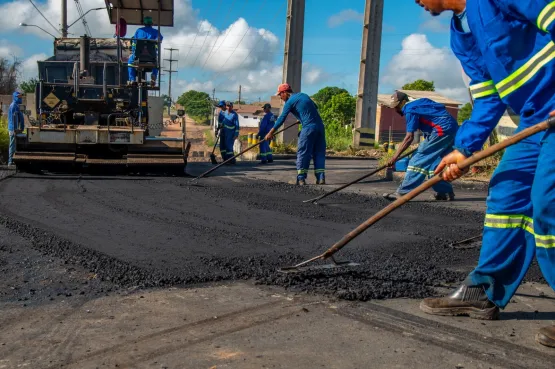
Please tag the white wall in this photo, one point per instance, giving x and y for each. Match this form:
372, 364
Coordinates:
248, 120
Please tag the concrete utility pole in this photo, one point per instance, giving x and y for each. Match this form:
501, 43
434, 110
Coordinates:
64, 18
367, 94
239, 101
293, 55
170, 71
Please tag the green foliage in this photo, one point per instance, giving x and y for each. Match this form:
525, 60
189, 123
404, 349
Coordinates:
29, 86
237, 102
420, 85
464, 113
325, 94
167, 100
4, 135
196, 104
337, 109
284, 148
209, 138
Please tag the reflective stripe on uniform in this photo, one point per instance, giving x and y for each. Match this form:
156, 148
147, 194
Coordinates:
420, 170
546, 17
483, 89
302, 171
229, 127
519, 221
319, 171
527, 71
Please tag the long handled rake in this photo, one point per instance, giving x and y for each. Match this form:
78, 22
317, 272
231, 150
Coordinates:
357, 180
465, 164
241, 153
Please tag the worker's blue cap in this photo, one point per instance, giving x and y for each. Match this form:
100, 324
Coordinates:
221, 103
229, 103
17, 94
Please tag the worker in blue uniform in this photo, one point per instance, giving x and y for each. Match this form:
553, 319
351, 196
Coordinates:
312, 138
230, 129
266, 124
144, 33
439, 129
220, 131
506, 48
16, 123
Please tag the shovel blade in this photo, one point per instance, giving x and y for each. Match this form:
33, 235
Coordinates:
298, 269
213, 159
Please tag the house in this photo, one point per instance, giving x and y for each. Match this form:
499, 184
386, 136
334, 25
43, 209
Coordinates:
388, 120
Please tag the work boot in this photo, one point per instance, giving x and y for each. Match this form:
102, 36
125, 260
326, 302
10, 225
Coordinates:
469, 301
321, 180
392, 196
298, 182
546, 336
444, 196
270, 160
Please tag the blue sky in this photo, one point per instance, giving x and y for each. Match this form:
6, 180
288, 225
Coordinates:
229, 48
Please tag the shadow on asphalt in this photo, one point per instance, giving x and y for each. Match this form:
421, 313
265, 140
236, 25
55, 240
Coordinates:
527, 315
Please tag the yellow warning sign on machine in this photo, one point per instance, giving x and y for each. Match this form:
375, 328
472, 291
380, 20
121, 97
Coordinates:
51, 100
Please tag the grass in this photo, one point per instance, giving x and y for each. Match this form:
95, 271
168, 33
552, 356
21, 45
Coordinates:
4, 137
209, 137
338, 143
283, 148
204, 121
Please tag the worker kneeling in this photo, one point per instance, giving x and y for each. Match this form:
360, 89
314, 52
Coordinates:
439, 129
312, 139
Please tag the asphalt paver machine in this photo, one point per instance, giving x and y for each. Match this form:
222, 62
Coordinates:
87, 111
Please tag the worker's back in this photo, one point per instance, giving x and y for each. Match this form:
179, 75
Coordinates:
304, 109
429, 116
147, 33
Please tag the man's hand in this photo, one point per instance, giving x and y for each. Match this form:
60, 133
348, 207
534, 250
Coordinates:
270, 135
450, 163
392, 161
552, 114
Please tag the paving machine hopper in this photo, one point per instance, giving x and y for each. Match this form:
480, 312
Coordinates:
87, 111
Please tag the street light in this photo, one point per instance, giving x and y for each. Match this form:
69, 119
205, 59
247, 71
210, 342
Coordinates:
34, 25
87, 12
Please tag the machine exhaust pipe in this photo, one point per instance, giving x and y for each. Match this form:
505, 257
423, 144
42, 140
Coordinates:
84, 56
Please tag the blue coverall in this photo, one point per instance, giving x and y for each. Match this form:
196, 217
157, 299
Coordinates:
16, 122
221, 133
439, 129
228, 133
266, 125
506, 48
312, 139
143, 33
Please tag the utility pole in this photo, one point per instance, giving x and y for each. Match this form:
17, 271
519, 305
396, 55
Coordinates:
365, 134
64, 18
239, 101
293, 55
170, 71
213, 109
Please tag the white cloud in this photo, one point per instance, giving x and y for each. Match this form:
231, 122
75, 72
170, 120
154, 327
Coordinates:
418, 59
29, 68
347, 15
7, 50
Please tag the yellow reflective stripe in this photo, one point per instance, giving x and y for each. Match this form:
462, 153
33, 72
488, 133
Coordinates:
519, 221
229, 127
302, 171
420, 170
546, 17
319, 170
483, 89
527, 71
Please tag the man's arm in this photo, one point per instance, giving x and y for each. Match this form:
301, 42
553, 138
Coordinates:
412, 126
236, 122
20, 121
286, 110
488, 106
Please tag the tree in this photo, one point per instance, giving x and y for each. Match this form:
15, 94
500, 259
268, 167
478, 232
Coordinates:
464, 113
325, 94
8, 75
420, 85
167, 100
196, 104
29, 86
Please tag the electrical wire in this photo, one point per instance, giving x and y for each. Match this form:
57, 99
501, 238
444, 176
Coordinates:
206, 37
42, 15
194, 39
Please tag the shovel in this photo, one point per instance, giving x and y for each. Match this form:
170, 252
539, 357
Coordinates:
212, 156
465, 164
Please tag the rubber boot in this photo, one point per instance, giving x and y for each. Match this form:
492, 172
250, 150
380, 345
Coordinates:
546, 336
469, 301
444, 196
320, 179
298, 182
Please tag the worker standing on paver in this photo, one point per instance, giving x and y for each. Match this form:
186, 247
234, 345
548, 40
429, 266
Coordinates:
506, 48
312, 139
439, 129
144, 33
266, 126
16, 123
230, 123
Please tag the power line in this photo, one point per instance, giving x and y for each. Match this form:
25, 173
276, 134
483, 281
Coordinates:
225, 38
42, 15
207, 34
241, 40
194, 39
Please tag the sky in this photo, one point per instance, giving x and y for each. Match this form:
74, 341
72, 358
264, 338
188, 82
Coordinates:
226, 44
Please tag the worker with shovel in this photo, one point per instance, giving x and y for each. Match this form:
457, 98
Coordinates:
506, 48
312, 139
266, 125
439, 129
229, 131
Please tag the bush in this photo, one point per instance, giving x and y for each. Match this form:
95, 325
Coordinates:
209, 137
338, 142
4, 136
